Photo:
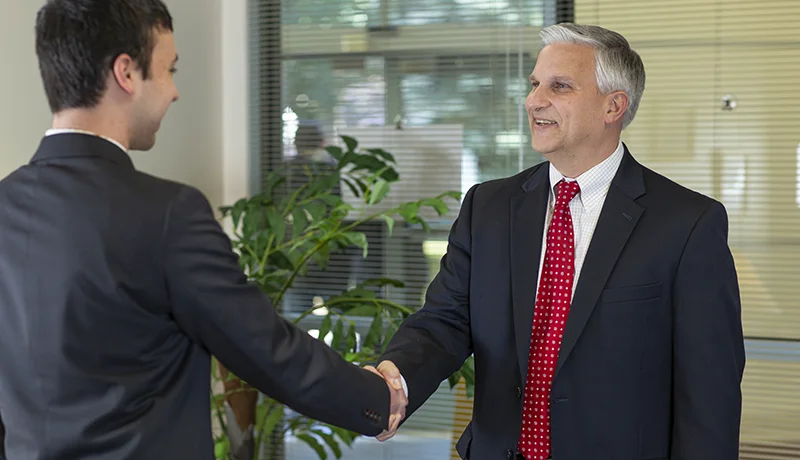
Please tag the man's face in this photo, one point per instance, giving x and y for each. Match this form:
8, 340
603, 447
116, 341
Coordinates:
156, 93
565, 107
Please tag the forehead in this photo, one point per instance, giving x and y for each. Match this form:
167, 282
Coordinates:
565, 59
164, 46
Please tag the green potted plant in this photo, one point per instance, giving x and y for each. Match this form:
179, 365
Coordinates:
278, 234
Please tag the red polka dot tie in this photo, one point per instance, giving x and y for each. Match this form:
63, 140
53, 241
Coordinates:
550, 316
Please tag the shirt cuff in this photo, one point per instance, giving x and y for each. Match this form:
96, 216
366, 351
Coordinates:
405, 386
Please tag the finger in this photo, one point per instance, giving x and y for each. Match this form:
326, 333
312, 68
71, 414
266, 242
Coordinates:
373, 370
391, 373
385, 436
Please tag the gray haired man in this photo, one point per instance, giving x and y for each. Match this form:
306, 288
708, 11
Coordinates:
599, 298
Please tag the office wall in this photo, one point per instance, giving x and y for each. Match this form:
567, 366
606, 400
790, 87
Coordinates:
192, 145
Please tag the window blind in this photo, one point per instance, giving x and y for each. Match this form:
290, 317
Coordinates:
719, 115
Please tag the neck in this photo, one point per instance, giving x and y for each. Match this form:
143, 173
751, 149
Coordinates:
575, 163
93, 120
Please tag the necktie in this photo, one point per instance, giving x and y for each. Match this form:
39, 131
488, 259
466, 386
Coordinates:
550, 316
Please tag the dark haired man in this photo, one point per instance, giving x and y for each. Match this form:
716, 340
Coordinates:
116, 287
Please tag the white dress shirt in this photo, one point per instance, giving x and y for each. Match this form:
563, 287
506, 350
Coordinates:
53, 131
585, 207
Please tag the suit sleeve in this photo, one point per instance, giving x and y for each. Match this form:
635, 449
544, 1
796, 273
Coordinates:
435, 341
2, 441
708, 345
216, 306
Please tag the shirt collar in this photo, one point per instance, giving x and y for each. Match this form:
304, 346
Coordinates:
593, 183
51, 132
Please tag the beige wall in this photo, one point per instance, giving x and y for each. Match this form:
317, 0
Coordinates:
203, 140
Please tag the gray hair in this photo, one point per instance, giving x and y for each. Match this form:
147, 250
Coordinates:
619, 68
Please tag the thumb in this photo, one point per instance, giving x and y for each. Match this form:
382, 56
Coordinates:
391, 373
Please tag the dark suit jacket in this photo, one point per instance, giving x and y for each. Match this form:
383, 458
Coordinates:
652, 357
115, 289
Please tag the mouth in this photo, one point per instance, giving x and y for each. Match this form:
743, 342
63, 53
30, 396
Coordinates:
543, 124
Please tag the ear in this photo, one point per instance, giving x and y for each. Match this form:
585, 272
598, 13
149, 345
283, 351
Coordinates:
125, 71
616, 105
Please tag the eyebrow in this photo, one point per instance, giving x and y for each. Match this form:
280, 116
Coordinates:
175, 60
563, 78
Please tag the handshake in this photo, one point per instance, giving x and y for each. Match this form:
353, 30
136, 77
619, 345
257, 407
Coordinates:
389, 372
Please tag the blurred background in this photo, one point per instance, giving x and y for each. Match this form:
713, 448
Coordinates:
440, 84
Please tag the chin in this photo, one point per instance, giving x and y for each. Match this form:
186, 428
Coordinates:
143, 143
543, 147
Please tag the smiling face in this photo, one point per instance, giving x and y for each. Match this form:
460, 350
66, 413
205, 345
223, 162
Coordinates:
155, 94
567, 113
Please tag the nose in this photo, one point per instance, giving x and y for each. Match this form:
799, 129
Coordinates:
537, 100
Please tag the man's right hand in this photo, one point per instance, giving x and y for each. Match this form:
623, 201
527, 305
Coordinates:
399, 400
389, 372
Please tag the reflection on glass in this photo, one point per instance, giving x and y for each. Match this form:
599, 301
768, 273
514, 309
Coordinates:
331, 13
422, 12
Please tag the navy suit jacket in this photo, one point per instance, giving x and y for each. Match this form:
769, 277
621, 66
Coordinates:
116, 288
652, 357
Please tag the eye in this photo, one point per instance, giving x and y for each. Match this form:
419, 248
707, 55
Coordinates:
173, 71
535, 84
560, 85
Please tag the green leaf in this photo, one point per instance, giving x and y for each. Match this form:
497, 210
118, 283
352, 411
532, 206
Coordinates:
325, 328
331, 200
389, 223
277, 224
350, 341
299, 222
391, 328
350, 142
314, 444
366, 309
335, 152
368, 162
275, 415
237, 210
409, 212
383, 154
324, 183
381, 282
390, 175
330, 441
436, 203
322, 257
345, 435
361, 293
378, 192
452, 194
351, 185
357, 239
221, 448
317, 211
375, 331
338, 335
453, 379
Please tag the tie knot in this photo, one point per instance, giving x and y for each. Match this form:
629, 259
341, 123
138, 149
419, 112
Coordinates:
566, 191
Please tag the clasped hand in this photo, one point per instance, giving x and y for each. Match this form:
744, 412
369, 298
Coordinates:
388, 371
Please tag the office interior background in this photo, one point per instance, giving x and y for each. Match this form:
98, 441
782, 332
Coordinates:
440, 83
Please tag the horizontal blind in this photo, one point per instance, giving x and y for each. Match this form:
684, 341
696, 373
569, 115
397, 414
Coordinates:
439, 84
719, 115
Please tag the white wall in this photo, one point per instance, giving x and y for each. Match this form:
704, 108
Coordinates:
203, 140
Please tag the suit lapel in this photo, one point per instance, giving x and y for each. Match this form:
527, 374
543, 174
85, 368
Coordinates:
528, 212
617, 220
